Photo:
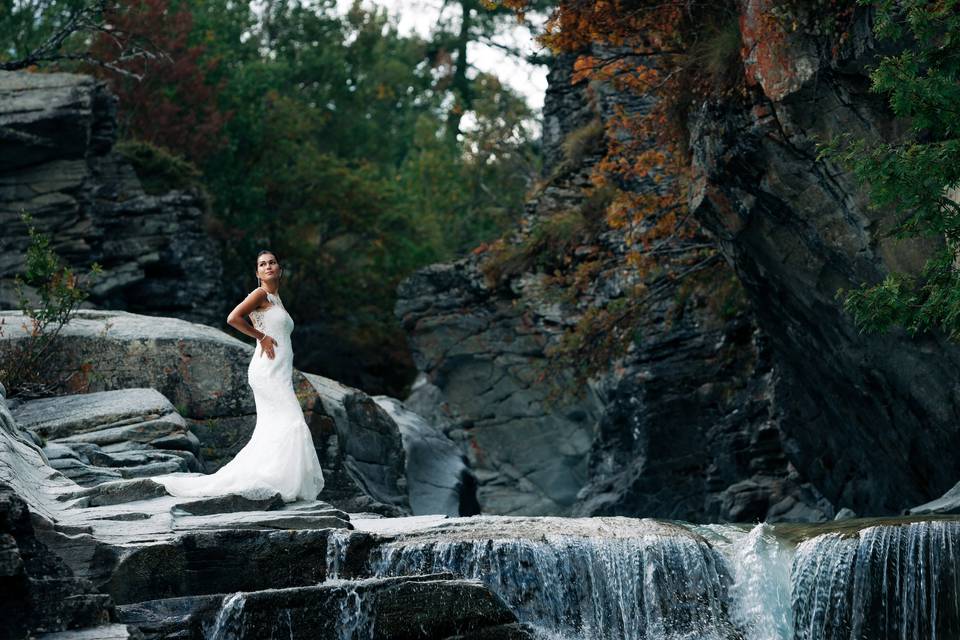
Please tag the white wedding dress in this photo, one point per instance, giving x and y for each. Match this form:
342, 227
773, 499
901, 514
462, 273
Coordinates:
280, 457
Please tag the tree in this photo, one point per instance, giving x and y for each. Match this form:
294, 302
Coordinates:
47, 32
48, 295
918, 177
475, 22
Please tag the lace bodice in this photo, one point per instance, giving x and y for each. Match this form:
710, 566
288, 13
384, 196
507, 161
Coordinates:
273, 320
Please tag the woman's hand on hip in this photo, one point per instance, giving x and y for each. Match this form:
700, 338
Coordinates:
267, 345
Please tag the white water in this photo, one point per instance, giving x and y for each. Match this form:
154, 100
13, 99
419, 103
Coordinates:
608, 582
229, 620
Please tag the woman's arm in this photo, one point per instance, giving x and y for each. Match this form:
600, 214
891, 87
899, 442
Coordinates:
238, 320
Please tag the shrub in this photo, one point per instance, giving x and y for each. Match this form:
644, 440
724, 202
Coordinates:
25, 366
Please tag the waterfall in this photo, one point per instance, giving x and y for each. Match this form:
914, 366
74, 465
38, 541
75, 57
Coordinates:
631, 587
887, 582
229, 623
628, 579
759, 564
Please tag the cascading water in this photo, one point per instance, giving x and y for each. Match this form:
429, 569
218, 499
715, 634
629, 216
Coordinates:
886, 582
759, 565
627, 579
667, 584
229, 621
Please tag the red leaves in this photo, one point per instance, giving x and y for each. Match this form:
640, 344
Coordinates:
174, 104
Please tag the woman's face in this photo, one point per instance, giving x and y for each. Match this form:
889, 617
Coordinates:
267, 267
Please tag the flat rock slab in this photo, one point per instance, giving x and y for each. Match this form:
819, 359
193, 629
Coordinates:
948, 503
228, 504
116, 493
65, 416
103, 632
186, 618
413, 608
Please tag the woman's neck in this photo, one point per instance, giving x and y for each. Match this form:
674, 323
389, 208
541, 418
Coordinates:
270, 287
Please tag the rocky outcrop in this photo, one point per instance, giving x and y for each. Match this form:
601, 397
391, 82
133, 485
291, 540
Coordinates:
57, 133
203, 373
870, 420
684, 426
98, 437
438, 480
68, 554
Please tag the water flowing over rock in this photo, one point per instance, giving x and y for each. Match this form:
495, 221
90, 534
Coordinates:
57, 133
883, 582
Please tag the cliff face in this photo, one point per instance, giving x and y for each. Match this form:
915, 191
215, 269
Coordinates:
684, 426
57, 133
780, 409
871, 420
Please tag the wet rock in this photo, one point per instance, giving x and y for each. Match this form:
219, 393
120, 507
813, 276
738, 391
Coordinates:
845, 514
499, 632
947, 503
102, 632
220, 561
188, 618
424, 607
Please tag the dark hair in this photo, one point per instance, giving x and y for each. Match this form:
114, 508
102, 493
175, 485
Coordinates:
265, 251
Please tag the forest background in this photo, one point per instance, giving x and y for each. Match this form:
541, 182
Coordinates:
356, 153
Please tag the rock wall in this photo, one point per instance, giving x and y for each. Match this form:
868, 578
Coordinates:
871, 420
56, 163
779, 411
685, 426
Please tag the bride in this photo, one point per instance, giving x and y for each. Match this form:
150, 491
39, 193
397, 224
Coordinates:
280, 457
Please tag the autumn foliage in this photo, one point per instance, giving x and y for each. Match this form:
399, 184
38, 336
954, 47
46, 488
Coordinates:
668, 55
167, 97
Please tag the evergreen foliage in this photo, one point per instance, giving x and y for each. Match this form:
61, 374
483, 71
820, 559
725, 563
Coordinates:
918, 176
325, 136
48, 295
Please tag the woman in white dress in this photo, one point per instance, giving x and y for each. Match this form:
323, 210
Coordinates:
280, 457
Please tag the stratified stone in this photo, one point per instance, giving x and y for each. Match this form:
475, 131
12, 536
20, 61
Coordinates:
870, 420
229, 503
56, 163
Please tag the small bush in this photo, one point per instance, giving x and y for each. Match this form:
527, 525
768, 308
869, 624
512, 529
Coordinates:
25, 365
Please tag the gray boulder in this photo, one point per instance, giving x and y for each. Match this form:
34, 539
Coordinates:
110, 434
203, 373
948, 503
438, 480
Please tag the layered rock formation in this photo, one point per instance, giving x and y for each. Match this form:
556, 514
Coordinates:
57, 133
782, 410
684, 426
870, 420
69, 556
201, 376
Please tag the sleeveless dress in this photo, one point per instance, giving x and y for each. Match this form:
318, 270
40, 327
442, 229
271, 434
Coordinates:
280, 457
